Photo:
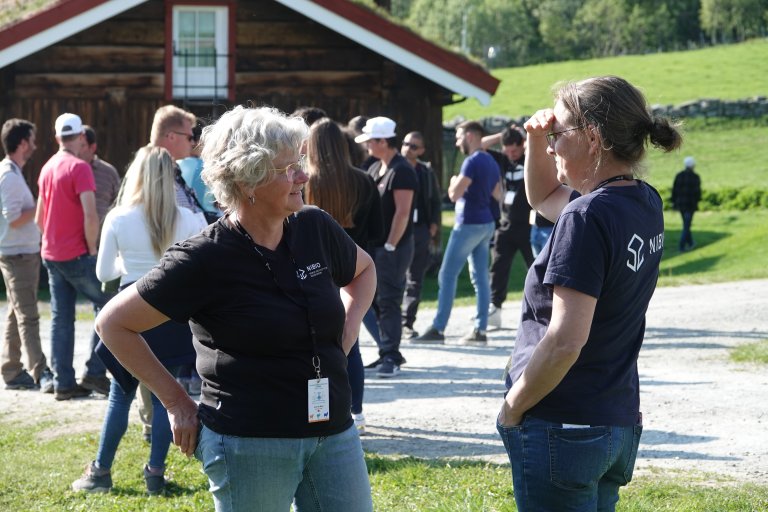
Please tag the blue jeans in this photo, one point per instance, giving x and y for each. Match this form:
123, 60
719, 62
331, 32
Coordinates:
390, 272
468, 242
686, 238
66, 279
116, 423
266, 474
539, 237
569, 469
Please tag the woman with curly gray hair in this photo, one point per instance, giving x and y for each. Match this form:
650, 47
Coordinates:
274, 293
571, 419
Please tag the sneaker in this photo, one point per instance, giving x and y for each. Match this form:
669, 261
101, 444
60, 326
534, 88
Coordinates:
494, 317
409, 332
75, 392
155, 481
46, 381
93, 480
98, 384
431, 337
359, 420
374, 366
476, 337
388, 369
22, 381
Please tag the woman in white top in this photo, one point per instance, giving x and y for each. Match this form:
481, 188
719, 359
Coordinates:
143, 224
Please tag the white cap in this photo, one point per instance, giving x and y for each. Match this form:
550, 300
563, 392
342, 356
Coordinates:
377, 128
689, 162
68, 124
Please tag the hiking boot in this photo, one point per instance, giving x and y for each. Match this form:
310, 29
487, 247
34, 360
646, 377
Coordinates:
155, 481
22, 381
98, 384
494, 317
359, 420
431, 337
388, 369
75, 392
476, 337
409, 332
93, 480
46, 381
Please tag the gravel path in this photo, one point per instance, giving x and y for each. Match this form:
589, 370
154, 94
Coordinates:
701, 411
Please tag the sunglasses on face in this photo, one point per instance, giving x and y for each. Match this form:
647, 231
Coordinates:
190, 138
411, 145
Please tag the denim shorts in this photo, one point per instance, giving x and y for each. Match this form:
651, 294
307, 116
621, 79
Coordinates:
268, 474
555, 468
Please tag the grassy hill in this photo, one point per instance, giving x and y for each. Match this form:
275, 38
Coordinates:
729, 153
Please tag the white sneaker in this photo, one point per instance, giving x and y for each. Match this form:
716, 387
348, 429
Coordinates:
359, 420
494, 317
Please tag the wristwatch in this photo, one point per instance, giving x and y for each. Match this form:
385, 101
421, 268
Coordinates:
389, 247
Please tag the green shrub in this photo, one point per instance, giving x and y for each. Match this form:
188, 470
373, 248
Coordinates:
725, 198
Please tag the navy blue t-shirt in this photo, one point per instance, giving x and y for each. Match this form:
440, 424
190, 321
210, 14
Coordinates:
474, 207
606, 244
252, 325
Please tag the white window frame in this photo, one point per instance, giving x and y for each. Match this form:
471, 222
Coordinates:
202, 82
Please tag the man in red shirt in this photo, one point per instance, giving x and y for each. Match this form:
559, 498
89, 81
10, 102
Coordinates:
67, 217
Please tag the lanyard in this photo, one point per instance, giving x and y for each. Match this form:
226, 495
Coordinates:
312, 330
620, 177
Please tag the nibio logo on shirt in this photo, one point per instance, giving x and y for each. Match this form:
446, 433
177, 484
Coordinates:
313, 270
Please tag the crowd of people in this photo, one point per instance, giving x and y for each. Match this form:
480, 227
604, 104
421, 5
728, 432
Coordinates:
237, 262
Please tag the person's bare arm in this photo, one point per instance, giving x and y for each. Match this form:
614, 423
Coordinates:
357, 297
459, 184
118, 325
490, 140
40, 214
90, 221
572, 313
545, 193
25, 217
403, 199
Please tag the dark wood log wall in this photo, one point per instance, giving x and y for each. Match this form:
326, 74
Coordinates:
113, 76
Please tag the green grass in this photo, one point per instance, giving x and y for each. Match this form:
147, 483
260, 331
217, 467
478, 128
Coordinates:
730, 247
751, 353
725, 72
37, 469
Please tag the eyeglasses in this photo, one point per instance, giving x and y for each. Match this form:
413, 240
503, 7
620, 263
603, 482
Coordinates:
552, 136
190, 138
291, 169
412, 146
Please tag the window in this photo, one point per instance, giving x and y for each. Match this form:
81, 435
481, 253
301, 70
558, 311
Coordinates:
200, 51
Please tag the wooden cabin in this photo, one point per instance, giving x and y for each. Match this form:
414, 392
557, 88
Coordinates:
114, 62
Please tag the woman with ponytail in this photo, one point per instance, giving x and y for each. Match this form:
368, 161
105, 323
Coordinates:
571, 419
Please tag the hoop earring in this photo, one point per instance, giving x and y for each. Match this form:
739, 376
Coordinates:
251, 199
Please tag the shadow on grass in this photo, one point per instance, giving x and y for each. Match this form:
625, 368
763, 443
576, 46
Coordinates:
675, 337
378, 464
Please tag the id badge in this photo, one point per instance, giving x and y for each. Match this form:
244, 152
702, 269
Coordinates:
318, 402
509, 197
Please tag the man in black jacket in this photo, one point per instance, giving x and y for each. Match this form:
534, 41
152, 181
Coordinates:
686, 193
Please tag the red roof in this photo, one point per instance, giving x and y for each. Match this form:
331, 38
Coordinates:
456, 73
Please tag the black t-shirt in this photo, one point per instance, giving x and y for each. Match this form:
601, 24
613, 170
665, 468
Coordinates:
368, 230
398, 176
251, 326
606, 244
514, 202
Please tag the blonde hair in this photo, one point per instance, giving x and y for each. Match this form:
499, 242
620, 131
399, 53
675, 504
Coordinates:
166, 119
238, 150
149, 182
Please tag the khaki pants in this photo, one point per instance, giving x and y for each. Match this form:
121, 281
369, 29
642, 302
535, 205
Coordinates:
21, 274
145, 408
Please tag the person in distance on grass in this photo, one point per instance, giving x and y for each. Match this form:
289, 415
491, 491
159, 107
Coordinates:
274, 292
572, 396
686, 194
